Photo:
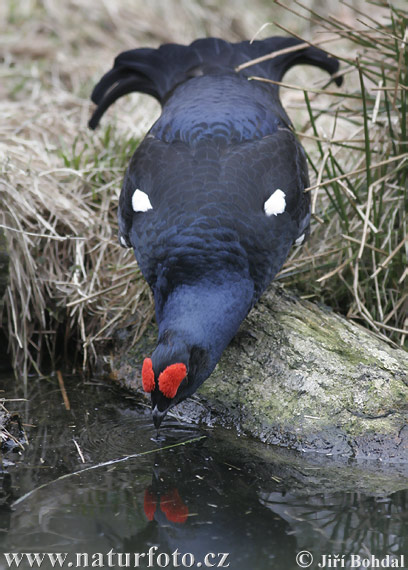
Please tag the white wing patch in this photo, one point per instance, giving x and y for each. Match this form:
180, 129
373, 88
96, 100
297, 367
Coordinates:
141, 202
300, 240
275, 204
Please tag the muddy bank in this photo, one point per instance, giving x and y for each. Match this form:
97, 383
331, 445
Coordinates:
299, 376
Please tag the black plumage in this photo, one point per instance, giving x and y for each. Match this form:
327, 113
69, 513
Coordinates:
213, 198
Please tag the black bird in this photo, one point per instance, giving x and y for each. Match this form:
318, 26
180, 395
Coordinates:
213, 198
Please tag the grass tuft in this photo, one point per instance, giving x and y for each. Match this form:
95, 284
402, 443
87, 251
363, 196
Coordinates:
357, 258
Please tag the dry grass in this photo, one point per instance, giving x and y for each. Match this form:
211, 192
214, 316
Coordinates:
357, 258
69, 280
11, 431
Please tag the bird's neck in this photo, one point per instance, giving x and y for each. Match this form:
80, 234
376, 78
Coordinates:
207, 314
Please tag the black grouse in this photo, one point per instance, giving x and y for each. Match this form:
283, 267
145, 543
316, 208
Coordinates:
213, 198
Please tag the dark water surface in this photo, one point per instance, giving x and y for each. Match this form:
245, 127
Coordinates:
217, 493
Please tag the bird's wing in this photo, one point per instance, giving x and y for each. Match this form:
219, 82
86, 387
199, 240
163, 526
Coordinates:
269, 176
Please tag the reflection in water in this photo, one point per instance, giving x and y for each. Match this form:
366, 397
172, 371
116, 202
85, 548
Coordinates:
169, 503
218, 493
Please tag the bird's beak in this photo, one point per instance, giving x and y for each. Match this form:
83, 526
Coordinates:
158, 417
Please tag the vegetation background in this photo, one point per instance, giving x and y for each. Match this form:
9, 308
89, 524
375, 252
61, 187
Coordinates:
70, 284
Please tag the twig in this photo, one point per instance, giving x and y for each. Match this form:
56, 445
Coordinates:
395, 309
279, 52
57, 238
394, 329
401, 55
81, 455
104, 464
366, 221
259, 30
299, 88
99, 293
331, 273
362, 309
405, 273
386, 261
402, 157
295, 35
63, 391
377, 289
319, 179
12, 437
377, 103
355, 240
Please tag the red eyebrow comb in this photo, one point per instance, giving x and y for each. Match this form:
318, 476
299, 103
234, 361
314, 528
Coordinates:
171, 378
148, 375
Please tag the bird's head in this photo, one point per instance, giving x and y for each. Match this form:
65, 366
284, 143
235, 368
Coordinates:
170, 376
196, 323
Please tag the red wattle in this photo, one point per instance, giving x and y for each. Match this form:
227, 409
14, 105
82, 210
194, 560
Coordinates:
149, 505
173, 507
171, 378
148, 375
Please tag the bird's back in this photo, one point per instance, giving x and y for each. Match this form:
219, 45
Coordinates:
218, 181
225, 108
221, 147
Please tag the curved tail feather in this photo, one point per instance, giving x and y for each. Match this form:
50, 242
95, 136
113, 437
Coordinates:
157, 72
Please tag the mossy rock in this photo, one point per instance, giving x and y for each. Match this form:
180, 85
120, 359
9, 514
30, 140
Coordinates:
299, 376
